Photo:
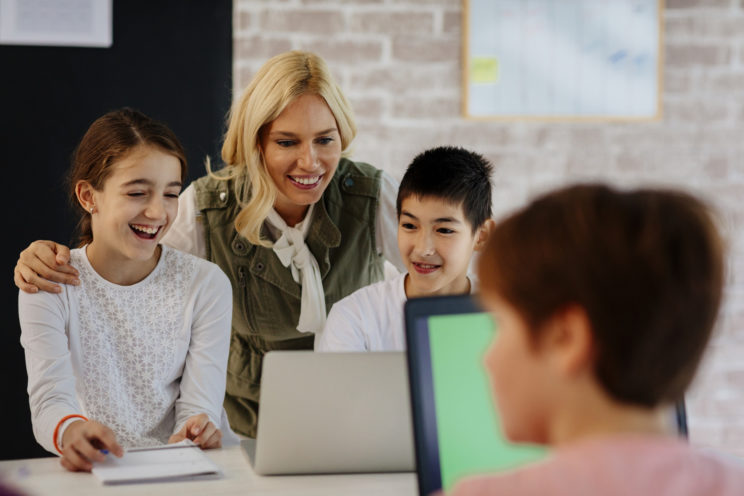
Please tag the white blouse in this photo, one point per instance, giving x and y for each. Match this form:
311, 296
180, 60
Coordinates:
140, 359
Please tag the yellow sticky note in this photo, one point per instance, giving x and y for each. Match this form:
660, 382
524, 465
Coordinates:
484, 70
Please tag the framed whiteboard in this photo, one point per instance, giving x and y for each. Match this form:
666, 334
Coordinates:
562, 59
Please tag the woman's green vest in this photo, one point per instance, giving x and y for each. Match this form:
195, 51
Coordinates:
266, 299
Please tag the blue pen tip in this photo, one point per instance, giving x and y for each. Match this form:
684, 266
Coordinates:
105, 452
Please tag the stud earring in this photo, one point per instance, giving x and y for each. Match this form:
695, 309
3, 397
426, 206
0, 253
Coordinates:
91, 209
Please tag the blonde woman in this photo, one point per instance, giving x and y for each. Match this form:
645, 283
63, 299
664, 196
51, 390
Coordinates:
294, 224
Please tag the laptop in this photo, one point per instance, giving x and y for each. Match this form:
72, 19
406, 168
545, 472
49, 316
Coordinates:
333, 413
456, 428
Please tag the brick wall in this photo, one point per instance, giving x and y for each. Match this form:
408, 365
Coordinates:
399, 63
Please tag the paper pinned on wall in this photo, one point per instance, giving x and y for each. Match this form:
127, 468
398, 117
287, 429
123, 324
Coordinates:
79, 23
484, 70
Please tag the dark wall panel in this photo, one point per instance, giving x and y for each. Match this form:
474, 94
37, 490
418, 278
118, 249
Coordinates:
170, 59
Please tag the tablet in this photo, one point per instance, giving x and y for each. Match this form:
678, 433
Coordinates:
456, 426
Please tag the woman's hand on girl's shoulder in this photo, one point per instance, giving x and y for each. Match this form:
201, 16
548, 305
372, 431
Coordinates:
201, 430
85, 442
41, 265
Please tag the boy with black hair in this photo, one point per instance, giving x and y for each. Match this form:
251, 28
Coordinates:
444, 214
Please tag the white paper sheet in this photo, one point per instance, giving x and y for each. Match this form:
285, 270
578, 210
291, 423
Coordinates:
177, 461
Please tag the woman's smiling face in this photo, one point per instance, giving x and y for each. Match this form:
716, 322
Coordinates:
301, 149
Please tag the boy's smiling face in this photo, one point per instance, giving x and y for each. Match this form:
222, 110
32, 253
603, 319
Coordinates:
436, 243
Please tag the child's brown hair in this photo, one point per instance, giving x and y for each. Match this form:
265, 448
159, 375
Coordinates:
645, 265
109, 139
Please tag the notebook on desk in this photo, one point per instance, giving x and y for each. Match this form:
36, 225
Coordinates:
333, 413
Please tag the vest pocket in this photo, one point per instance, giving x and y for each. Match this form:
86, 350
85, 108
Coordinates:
271, 313
251, 313
244, 368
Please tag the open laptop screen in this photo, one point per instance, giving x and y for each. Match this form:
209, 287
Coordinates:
456, 427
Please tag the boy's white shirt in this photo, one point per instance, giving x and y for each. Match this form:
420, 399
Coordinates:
369, 319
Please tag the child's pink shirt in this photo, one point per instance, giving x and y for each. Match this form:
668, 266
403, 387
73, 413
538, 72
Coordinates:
615, 466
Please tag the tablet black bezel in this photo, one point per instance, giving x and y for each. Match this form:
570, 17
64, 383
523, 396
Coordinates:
417, 310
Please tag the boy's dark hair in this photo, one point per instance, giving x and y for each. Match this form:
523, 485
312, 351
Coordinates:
455, 175
645, 265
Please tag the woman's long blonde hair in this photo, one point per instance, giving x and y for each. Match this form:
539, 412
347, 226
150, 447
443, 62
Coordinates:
278, 83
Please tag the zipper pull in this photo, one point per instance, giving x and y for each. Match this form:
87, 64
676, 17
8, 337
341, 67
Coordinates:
241, 277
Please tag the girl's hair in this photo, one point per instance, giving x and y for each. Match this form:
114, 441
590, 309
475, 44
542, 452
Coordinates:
278, 83
108, 140
645, 265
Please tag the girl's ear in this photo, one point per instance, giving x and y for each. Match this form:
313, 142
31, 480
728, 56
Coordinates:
85, 196
482, 233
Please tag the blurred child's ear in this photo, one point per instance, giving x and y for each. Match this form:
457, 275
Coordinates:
482, 233
568, 340
84, 193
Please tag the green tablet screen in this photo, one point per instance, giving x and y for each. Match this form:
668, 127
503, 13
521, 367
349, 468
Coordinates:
469, 435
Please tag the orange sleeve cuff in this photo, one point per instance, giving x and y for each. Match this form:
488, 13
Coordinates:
56, 429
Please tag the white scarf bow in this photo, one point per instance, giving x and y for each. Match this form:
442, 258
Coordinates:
294, 253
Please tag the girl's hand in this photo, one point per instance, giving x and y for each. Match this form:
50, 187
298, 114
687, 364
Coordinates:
82, 443
199, 429
42, 262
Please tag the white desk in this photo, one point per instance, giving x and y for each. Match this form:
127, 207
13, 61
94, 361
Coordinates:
42, 476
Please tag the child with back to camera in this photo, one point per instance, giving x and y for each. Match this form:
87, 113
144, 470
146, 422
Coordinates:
444, 213
136, 354
604, 301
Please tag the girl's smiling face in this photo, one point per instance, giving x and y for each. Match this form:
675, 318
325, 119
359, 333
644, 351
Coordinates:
301, 149
133, 211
